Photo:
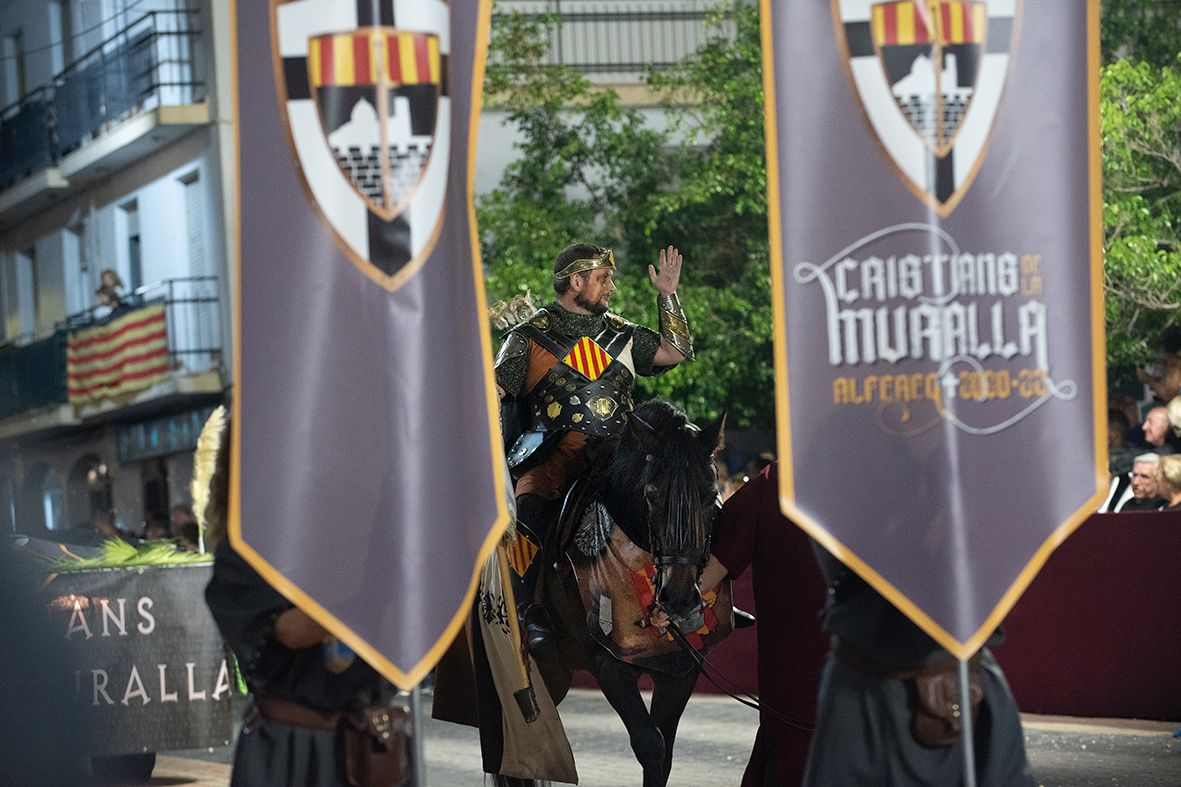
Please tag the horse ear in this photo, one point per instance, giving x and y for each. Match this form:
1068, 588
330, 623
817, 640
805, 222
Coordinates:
712, 434
648, 437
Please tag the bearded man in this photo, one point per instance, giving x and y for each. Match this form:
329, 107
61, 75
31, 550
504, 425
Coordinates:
565, 379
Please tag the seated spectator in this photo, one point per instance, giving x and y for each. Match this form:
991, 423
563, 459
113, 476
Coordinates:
1136, 491
189, 538
1157, 432
179, 516
1164, 377
1120, 452
104, 525
1170, 481
154, 528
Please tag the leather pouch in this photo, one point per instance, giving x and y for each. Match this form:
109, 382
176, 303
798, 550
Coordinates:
376, 749
936, 717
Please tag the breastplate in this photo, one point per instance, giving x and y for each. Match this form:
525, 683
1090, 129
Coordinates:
589, 388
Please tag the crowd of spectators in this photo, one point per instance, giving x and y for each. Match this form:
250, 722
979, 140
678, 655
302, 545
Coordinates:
1145, 453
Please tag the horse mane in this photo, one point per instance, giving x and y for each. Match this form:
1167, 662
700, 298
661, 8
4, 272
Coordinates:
623, 473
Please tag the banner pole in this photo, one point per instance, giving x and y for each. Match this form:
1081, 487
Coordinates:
417, 753
968, 733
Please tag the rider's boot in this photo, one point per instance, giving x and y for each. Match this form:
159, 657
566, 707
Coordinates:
536, 514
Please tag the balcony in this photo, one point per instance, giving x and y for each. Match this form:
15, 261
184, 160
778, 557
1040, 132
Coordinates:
163, 345
616, 40
129, 96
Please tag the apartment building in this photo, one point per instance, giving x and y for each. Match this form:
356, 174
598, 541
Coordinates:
115, 135
116, 153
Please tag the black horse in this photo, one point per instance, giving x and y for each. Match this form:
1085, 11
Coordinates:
643, 511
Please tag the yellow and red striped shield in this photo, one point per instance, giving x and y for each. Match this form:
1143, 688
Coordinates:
520, 552
374, 56
929, 75
368, 114
588, 358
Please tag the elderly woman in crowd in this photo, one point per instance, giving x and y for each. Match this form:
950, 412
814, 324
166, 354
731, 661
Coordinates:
1170, 481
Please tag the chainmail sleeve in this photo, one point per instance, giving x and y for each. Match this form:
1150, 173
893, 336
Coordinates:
512, 363
645, 343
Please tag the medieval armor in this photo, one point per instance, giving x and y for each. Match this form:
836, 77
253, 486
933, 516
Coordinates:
674, 329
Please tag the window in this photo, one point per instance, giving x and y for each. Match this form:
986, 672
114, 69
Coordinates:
53, 501
61, 33
12, 68
135, 272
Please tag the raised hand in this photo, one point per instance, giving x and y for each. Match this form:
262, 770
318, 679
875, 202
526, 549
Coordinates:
666, 279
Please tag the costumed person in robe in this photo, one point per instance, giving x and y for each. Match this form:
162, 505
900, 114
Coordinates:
751, 531
317, 715
889, 709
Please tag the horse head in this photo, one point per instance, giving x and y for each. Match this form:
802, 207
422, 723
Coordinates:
663, 492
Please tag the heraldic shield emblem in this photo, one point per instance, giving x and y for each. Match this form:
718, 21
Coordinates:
929, 75
363, 87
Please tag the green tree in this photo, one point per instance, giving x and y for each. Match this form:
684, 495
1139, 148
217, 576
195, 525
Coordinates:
1148, 30
582, 158
589, 168
1140, 113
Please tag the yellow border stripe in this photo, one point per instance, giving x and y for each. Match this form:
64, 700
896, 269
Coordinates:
979, 23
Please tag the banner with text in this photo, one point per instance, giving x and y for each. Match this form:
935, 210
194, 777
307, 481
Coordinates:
367, 482
933, 179
151, 673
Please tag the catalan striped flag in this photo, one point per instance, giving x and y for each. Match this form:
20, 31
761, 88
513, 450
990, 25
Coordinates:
374, 56
129, 353
904, 22
521, 552
588, 358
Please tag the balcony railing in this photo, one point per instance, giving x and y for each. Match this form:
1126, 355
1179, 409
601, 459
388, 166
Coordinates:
33, 373
148, 64
617, 36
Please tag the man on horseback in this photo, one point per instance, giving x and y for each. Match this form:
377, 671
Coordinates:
565, 379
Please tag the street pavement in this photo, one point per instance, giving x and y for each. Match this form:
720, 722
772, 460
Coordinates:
715, 739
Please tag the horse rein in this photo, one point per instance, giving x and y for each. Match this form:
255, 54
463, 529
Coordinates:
709, 671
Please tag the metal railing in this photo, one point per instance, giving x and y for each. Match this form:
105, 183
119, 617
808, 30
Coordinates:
148, 64
26, 144
617, 36
33, 371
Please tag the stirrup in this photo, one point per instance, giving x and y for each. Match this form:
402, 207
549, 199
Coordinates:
743, 619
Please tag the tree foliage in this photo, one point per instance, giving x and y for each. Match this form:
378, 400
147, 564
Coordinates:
1144, 30
590, 168
1141, 135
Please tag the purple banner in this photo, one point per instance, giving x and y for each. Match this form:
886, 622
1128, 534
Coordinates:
935, 210
367, 480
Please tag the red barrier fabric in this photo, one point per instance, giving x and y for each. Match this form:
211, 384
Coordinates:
1097, 632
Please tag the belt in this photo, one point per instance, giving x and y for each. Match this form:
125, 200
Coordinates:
853, 658
298, 715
